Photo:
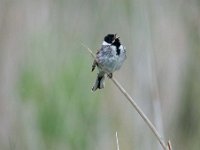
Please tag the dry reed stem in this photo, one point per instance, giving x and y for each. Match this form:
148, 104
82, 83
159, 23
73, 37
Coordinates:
117, 141
169, 145
141, 113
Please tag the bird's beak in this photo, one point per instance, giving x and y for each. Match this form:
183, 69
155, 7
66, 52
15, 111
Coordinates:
116, 37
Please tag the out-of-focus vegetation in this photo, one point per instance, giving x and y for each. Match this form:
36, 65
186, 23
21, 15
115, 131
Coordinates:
45, 74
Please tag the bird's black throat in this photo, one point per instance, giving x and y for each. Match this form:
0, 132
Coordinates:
117, 44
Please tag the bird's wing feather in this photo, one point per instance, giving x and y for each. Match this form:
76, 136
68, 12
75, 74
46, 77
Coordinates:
104, 54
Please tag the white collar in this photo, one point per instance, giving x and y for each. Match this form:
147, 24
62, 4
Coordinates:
105, 43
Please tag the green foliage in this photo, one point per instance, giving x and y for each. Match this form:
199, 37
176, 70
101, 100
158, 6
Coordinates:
66, 108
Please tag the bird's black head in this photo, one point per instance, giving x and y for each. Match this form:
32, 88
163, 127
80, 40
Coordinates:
109, 38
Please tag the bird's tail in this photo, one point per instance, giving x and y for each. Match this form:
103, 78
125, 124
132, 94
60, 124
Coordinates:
99, 83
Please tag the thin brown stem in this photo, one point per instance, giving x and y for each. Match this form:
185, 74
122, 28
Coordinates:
141, 113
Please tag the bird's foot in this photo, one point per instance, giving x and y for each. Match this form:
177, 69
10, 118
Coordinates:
110, 75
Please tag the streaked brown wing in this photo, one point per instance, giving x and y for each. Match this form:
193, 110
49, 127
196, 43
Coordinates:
94, 64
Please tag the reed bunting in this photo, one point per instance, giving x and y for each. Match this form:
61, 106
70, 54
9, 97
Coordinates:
109, 58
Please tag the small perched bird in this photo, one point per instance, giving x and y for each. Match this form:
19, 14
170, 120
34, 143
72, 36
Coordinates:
109, 58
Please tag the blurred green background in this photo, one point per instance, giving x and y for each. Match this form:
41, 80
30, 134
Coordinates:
46, 101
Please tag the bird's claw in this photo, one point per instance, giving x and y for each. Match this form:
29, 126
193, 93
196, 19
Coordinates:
110, 75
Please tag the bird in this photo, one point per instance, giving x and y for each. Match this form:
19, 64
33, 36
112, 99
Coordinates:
109, 58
